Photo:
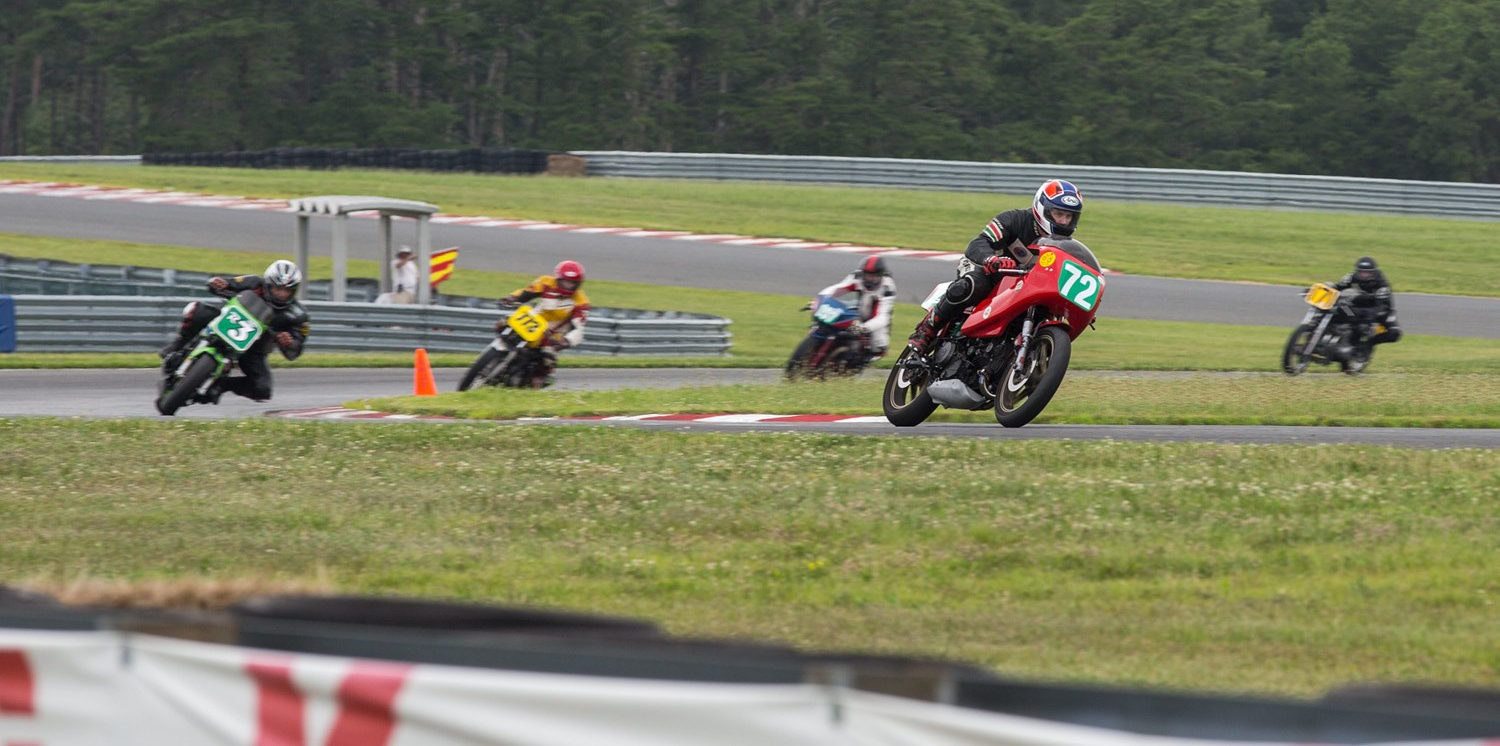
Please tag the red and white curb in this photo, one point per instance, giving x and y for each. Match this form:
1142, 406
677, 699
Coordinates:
84, 191
342, 413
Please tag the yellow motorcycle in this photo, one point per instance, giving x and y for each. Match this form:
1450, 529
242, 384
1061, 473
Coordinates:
515, 358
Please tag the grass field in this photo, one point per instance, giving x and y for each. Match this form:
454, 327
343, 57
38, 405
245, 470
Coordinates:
1235, 568
1101, 397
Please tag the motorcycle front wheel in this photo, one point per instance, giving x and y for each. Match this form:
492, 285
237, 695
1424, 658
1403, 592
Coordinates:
196, 375
481, 369
796, 365
1022, 395
906, 401
1294, 358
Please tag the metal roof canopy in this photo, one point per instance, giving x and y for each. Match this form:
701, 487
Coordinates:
339, 207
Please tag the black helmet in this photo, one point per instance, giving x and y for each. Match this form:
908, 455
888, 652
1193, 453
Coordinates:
871, 272
1366, 273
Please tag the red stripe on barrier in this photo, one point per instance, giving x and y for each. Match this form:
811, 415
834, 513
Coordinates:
280, 707
17, 685
366, 704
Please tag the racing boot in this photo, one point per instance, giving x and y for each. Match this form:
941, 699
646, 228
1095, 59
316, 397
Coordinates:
926, 331
942, 312
1349, 347
171, 354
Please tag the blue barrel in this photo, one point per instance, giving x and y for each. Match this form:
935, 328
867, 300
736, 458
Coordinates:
7, 324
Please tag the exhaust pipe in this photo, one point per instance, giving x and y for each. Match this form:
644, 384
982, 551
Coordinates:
954, 394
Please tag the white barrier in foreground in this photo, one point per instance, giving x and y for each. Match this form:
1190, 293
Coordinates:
121, 689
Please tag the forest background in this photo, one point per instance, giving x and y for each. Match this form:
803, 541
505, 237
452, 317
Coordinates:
1406, 89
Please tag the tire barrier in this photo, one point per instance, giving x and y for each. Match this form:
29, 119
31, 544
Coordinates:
264, 664
482, 160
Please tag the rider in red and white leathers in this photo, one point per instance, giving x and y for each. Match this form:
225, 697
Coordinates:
877, 297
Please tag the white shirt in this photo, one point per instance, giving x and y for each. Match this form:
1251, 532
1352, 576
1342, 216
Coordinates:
404, 276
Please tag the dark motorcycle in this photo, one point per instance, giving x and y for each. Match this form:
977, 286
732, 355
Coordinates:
212, 355
1327, 334
832, 346
1012, 350
514, 359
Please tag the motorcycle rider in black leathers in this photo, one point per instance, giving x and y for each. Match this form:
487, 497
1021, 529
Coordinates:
288, 329
1372, 303
1055, 210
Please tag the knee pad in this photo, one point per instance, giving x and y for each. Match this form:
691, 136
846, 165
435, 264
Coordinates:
959, 291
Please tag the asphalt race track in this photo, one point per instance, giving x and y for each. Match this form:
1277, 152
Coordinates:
128, 393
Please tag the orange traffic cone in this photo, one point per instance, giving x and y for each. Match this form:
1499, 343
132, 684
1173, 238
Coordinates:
424, 384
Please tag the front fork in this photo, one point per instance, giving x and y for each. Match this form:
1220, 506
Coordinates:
1021, 367
1317, 336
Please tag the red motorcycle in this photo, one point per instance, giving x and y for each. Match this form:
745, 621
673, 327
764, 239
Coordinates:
1011, 350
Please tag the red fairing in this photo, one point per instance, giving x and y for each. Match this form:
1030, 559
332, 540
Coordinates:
1058, 282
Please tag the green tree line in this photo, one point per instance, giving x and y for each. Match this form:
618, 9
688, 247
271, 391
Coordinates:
1405, 89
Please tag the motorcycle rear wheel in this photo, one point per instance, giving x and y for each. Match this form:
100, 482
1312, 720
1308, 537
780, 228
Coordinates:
480, 370
1357, 361
197, 374
1019, 400
906, 401
1293, 359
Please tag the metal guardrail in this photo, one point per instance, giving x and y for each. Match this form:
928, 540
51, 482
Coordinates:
1235, 188
1180, 186
100, 323
22, 275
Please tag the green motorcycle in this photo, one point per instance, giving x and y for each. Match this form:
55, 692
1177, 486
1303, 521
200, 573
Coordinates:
212, 355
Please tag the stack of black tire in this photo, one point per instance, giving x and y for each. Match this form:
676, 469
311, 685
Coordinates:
480, 160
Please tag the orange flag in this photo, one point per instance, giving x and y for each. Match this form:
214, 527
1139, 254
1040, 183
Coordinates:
442, 264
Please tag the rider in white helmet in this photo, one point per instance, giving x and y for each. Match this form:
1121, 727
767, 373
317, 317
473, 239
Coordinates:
278, 285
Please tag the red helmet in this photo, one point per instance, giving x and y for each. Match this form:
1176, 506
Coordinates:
871, 272
569, 276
